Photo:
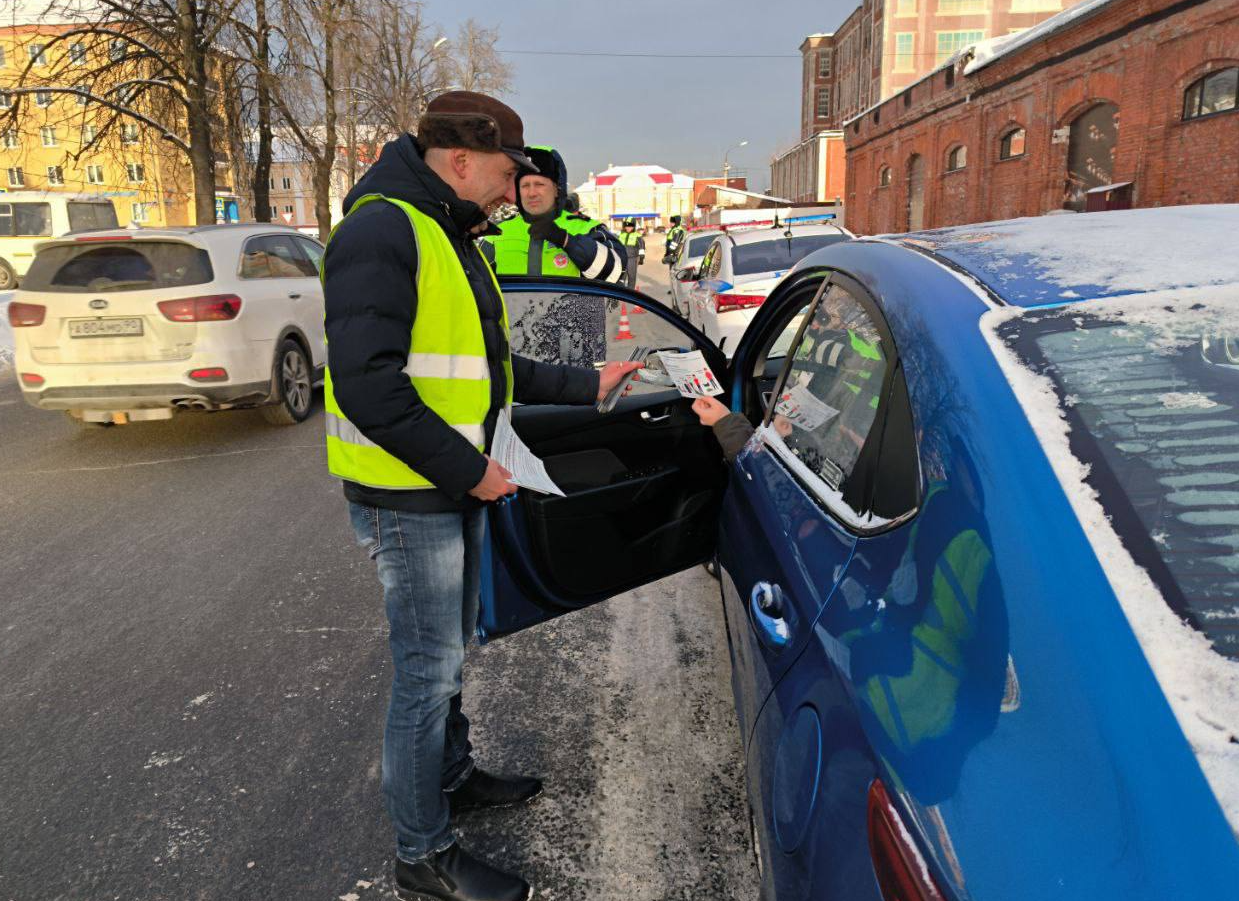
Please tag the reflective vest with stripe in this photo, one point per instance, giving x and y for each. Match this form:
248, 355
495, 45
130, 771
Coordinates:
513, 254
447, 361
629, 239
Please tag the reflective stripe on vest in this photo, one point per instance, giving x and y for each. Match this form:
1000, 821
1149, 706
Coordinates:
447, 361
629, 239
512, 256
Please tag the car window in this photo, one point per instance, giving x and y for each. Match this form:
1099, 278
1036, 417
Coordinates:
314, 251
586, 330
121, 266
21, 220
84, 216
698, 246
708, 260
777, 254
274, 256
828, 401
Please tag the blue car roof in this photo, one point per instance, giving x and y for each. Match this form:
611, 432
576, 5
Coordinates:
1056, 259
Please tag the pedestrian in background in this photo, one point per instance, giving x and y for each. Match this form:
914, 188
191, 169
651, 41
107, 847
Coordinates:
634, 247
419, 368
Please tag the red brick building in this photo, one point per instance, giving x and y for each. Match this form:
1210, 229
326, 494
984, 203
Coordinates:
1141, 95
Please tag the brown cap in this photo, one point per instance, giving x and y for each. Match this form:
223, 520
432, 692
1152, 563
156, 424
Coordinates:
476, 122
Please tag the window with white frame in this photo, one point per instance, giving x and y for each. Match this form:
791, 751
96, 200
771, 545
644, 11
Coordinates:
117, 49
6, 100
9, 139
138, 212
287, 183
129, 133
905, 46
824, 59
37, 55
89, 133
960, 7
957, 159
47, 134
94, 174
43, 98
136, 173
288, 208
55, 176
950, 42
1, 56
80, 97
77, 54
274, 212
823, 103
17, 177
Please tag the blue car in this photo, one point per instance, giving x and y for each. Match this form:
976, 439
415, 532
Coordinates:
979, 561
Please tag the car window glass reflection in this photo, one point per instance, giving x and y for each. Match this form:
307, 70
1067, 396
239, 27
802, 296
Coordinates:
829, 400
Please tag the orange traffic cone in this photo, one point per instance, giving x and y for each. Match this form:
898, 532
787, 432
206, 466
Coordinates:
636, 310
624, 333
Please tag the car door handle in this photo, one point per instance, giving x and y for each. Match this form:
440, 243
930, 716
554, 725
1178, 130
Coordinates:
649, 417
767, 604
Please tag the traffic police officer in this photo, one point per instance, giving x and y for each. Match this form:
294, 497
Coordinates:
546, 239
634, 244
675, 237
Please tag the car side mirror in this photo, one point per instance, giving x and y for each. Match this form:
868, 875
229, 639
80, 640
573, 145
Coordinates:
686, 275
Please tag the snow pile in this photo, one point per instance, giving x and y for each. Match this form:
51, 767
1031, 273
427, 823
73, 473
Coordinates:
985, 52
6, 332
1201, 685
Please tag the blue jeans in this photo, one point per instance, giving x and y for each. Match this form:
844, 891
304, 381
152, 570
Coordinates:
430, 568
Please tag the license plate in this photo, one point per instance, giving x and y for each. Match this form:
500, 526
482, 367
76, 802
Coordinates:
104, 328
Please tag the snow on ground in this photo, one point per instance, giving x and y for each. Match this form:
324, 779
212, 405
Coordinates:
1201, 685
6, 332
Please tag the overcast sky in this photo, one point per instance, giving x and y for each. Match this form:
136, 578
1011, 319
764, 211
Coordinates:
678, 113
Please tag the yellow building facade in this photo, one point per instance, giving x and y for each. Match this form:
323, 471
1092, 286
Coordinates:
49, 147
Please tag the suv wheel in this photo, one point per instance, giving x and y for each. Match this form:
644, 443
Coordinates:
8, 278
294, 389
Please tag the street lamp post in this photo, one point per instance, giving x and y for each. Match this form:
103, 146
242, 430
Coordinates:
727, 165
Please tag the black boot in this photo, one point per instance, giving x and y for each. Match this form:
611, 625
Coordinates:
452, 875
482, 789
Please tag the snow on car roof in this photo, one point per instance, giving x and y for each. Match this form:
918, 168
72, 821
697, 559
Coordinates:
1045, 260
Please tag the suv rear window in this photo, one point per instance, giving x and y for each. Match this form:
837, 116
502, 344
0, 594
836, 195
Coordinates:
120, 266
87, 216
697, 247
777, 254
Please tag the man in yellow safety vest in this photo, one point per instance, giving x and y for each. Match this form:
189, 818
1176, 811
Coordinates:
419, 368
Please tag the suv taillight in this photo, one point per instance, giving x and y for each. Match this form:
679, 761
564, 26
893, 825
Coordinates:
24, 315
897, 861
723, 301
208, 308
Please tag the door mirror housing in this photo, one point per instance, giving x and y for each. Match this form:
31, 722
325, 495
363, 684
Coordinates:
686, 275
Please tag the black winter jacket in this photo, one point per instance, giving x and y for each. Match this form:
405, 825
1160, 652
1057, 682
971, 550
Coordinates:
370, 288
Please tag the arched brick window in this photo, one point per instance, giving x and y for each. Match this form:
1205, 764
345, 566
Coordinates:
1217, 92
1012, 144
884, 177
957, 158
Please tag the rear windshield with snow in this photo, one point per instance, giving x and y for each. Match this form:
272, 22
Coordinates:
1152, 400
121, 266
776, 255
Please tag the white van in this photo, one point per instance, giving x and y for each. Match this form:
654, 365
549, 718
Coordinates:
28, 217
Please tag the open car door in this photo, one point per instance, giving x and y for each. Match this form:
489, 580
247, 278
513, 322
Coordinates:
642, 482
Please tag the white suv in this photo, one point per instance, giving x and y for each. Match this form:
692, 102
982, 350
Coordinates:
740, 268
124, 325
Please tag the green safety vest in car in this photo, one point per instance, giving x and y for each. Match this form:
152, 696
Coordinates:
447, 362
515, 256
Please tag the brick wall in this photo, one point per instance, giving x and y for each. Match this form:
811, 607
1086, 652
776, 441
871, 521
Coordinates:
1140, 55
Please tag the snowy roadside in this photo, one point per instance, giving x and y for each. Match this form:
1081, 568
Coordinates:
6, 332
